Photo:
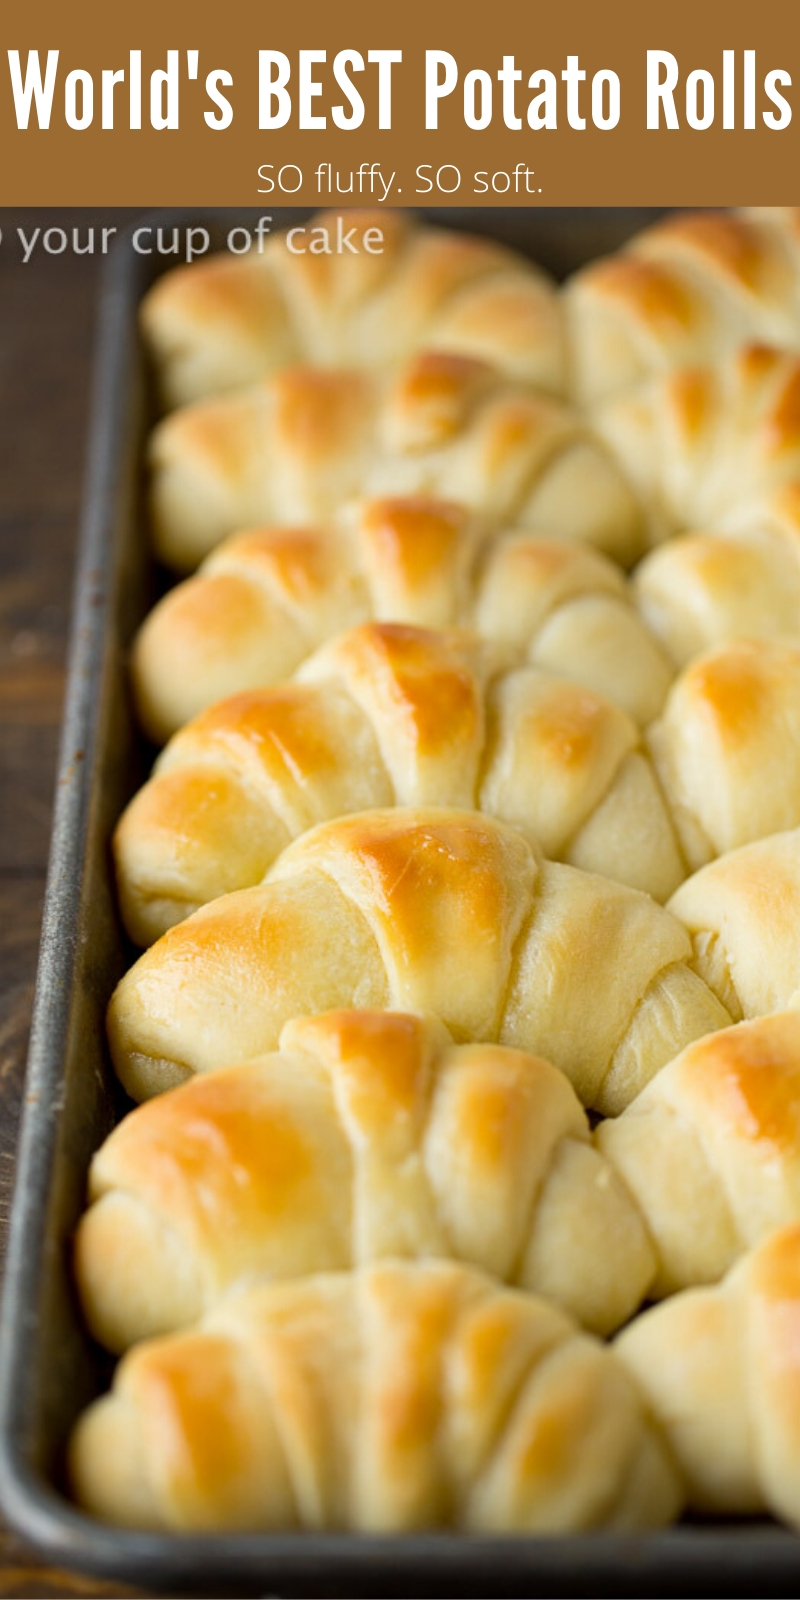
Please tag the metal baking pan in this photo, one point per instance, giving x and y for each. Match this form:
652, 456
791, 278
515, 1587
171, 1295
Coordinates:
49, 1369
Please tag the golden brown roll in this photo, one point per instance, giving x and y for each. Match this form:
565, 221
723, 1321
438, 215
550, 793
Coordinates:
704, 589
392, 715
706, 444
726, 748
690, 288
368, 1135
720, 1371
228, 320
399, 1397
710, 1150
297, 447
422, 910
266, 599
742, 913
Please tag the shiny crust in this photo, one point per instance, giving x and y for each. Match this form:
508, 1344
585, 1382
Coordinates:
266, 599
393, 715
439, 911
228, 321
370, 1135
386, 715
396, 1398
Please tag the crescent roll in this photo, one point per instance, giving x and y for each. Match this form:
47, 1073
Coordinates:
297, 447
742, 913
392, 715
703, 589
710, 1150
422, 910
368, 1135
720, 1371
726, 748
690, 288
394, 286
399, 1397
710, 442
265, 600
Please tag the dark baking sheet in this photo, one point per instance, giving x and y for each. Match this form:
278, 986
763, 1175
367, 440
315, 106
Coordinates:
49, 1369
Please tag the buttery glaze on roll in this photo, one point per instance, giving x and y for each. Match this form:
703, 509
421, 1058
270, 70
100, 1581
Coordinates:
388, 714
424, 910
369, 1134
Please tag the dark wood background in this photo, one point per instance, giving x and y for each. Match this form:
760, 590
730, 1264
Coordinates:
46, 334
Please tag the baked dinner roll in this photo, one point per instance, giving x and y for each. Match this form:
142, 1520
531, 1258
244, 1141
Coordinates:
298, 446
398, 1397
227, 321
720, 1370
266, 599
710, 442
742, 913
705, 588
421, 910
710, 1149
726, 748
687, 289
392, 715
369, 1135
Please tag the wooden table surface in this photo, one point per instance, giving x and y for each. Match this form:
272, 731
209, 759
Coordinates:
46, 329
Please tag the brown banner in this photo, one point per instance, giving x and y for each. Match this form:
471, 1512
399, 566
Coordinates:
499, 104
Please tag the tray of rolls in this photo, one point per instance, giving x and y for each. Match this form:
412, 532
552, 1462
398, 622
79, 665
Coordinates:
409, 1186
